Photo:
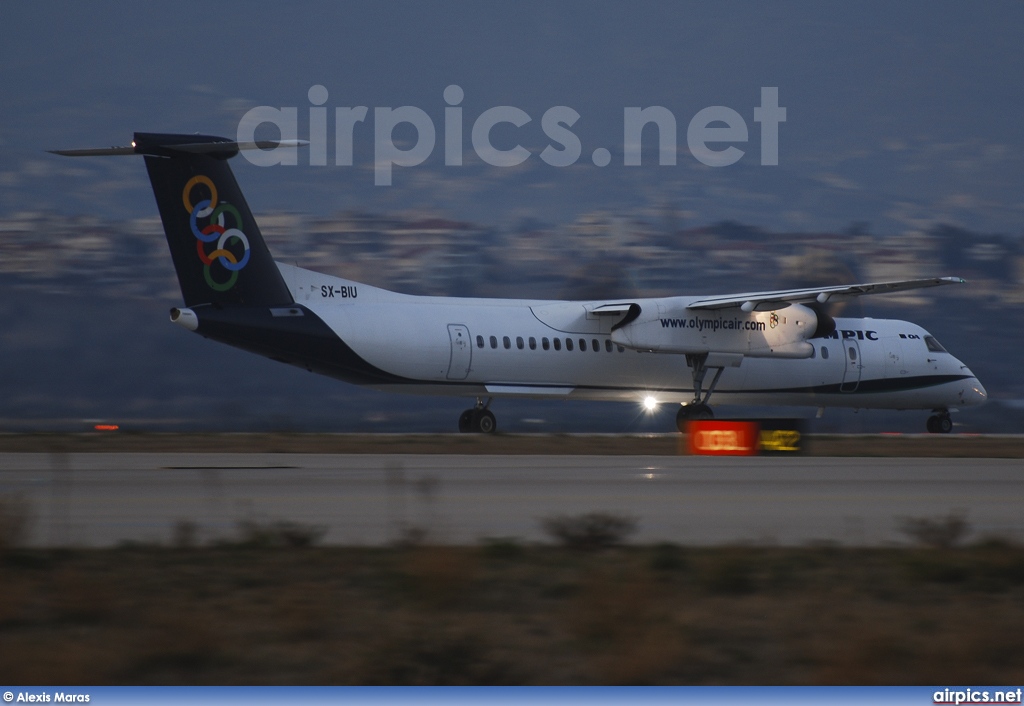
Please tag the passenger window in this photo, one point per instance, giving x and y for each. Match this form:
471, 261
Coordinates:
505, 341
494, 342
608, 345
853, 353
479, 341
824, 353
933, 345
597, 345
814, 352
558, 344
544, 343
533, 343
621, 349
568, 344
583, 344
519, 342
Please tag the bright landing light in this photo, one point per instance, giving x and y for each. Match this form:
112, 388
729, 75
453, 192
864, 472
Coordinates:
650, 404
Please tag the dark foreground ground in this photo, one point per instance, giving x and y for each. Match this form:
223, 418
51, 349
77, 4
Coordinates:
502, 613
253, 612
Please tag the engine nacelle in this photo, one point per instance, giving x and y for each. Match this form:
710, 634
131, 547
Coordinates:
780, 333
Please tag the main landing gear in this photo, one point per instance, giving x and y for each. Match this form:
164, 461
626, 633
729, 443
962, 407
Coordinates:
698, 409
940, 423
479, 419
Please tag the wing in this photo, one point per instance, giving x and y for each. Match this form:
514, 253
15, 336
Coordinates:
767, 301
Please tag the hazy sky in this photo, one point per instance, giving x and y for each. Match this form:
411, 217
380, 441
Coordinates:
897, 113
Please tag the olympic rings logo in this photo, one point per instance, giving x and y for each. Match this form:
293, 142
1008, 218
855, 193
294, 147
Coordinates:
773, 320
215, 231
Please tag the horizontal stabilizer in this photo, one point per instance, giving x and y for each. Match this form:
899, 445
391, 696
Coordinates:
95, 152
207, 147
220, 146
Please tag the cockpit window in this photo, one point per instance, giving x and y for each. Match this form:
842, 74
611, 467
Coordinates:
933, 345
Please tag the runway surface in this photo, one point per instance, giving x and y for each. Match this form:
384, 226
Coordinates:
102, 499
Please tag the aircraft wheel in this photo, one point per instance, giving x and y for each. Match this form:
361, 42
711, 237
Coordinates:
702, 411
940, 424
692, 411
682, 417
477, 421
485, 423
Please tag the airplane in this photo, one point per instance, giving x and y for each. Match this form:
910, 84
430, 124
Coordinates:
760, 348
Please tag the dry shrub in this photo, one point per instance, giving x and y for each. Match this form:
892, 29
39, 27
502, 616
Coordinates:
942, 567
440, 576
77, 597
185, 534
895, 645
15, 521
862, 655
607, 605
625, 625
426, 654
177, 644
594, 530
998, 566
938, 532
506, 548
410, 536
16, 603
668, 557
649, 656
282, 533
73, 659
303, 612
728, 571
991, 567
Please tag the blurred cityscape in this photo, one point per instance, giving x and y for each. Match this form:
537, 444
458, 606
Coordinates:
600, 254
54, 265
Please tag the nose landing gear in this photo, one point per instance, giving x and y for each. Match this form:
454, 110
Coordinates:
698, 409
694, 410
940, 422
478, 420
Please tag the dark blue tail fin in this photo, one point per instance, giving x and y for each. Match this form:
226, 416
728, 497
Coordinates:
218, 252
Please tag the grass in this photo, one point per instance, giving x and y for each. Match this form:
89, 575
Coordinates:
510, 613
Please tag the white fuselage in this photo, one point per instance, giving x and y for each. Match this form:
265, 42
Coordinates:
562, 349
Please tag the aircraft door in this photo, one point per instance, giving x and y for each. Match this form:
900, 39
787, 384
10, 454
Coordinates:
854, 364
462, 352
895, 362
